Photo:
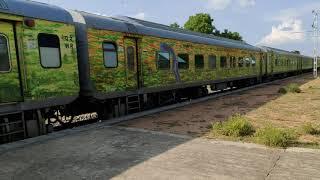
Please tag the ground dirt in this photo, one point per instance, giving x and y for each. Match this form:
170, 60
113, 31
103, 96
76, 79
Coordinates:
262, 106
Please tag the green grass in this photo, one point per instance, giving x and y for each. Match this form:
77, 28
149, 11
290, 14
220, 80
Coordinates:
290, 88
275, 137
235, 126
309, 128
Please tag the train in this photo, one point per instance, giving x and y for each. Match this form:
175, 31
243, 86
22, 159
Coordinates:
56, 64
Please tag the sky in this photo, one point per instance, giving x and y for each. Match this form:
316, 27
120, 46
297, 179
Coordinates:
284, 24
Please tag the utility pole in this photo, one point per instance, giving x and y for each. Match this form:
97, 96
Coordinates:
315, 27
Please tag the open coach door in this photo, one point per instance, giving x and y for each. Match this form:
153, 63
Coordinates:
10, 86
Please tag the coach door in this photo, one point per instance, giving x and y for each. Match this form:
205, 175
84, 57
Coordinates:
132, 63
10, 89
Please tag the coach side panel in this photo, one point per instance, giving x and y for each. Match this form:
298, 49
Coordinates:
105, 78
50, 67
197, 63
204, 62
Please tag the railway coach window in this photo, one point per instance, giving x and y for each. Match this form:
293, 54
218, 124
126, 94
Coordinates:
277, 62
233, 62
163, 60
212, 62
110, 56
183, 60
240, 62
4, 54
253, 61
130, 58
247, 61
49, 47
199, 61
223, 62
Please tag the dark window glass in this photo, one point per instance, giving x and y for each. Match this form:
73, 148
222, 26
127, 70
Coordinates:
253, 61
199, 61
183, 60
163, 60
49, 46
240, 62
212, 61
233, 62
223, 62
110, 56
130, 58
247, 61
277, 62
4, 54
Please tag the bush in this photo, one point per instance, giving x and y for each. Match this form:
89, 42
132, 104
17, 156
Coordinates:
236, 126
309, 128
291, 88
275, 137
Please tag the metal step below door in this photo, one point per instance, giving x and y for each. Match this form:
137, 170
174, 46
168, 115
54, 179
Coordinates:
12, 127
133, 104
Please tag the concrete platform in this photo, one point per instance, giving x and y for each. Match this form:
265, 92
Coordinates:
101, 152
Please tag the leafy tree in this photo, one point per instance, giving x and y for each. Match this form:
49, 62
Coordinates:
229, 34
201, 22
296, 51
175, 25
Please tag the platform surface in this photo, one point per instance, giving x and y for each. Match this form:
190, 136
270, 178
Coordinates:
102, 152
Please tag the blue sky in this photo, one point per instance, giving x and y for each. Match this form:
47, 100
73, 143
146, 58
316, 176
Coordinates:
284, 24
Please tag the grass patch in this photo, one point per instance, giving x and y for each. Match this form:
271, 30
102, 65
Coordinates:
235, 126
290, 88
275, 137
309, 128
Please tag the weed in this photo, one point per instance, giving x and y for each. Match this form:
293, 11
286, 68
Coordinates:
275, 137
309, 128
290, 88
235, 126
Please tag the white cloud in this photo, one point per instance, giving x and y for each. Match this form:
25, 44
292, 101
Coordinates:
289, 28
246, 3
286, 32
140, 15
218, 4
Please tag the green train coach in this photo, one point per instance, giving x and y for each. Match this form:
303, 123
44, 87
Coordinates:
56, 64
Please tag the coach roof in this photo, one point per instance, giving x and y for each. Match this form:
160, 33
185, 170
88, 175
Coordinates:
284, 52
131, 25
34, 9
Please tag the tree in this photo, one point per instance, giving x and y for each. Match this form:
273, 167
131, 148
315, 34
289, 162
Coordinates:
201, 22
229, 34
296, 52
175, 25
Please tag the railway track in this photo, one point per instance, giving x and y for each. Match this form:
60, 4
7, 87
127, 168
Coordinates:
212, 96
